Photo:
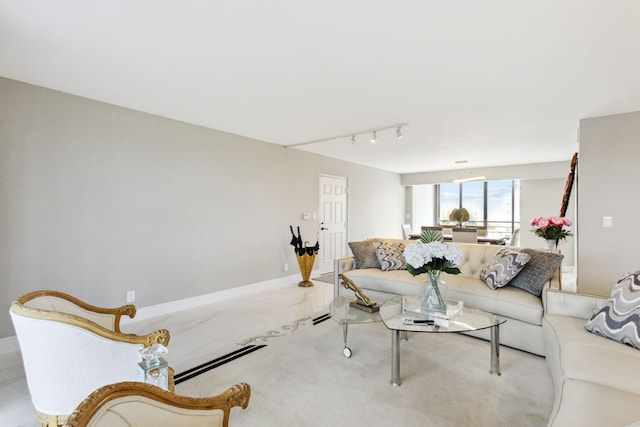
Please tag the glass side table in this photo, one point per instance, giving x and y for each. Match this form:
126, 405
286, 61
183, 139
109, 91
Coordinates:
342, 312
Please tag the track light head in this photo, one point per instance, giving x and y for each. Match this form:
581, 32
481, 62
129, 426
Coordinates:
353, 140
374, 137
399, 134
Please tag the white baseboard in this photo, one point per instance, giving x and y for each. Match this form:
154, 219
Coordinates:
10, 344
152, 311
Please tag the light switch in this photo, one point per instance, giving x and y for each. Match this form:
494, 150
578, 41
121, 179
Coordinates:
305, 216
607, 222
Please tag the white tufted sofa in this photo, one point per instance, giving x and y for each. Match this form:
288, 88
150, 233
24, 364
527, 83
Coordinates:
523, 311
596, 380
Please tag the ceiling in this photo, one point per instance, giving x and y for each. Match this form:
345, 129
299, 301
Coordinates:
492, 82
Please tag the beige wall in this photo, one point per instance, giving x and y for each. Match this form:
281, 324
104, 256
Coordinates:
96, 200
543, 197
608, 186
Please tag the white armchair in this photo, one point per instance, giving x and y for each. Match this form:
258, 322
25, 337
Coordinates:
138, 404
70, 348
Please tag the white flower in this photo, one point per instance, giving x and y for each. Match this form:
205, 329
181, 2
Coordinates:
421, 254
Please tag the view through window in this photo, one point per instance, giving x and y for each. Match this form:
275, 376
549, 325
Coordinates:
493, 206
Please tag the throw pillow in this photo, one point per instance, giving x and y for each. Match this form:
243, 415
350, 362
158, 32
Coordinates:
364, 254
390, 256
504, 266
537, 272
619, 317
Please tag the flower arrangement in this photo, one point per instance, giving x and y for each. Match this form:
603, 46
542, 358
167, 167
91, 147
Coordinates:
432, 257
551, 227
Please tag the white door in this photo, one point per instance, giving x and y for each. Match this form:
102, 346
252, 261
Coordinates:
333, 221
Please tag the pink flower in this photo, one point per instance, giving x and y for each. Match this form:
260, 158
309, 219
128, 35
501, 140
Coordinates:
566, 222
534, 221
543, 223
556, 220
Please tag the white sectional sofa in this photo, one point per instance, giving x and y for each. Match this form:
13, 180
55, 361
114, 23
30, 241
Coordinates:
523, 310
596, 379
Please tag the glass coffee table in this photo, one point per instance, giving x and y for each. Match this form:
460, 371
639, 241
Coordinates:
341, 311
394, 311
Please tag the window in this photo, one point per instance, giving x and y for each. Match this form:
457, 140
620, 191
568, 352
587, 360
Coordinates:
494, 206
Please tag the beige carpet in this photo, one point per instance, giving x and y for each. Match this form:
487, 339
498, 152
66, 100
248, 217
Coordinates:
302, 379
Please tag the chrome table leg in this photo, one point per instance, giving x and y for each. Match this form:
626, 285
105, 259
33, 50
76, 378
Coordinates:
345, 330
495, 350
395, 358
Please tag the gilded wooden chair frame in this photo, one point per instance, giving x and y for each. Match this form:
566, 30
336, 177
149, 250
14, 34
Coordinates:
20, 307
108, 396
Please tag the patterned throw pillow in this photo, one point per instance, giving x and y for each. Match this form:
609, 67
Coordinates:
364, 254
504, 266
619, 317
390, 256
537, 272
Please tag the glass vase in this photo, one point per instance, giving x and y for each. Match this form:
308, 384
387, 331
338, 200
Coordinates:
551, 244
434, 298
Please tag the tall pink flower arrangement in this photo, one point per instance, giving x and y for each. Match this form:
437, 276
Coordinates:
551, 227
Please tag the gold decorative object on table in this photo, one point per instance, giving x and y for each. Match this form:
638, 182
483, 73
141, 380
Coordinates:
306, 256
362, 302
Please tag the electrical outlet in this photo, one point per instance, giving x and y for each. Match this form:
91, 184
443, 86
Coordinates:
286, 267
131, 296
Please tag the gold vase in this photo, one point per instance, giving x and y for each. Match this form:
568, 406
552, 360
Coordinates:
305, 262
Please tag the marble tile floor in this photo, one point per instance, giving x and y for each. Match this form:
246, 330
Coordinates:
199, 334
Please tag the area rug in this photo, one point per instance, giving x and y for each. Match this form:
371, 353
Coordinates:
303, 379
326, 277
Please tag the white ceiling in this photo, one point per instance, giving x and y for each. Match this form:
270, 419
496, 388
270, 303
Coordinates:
493, 82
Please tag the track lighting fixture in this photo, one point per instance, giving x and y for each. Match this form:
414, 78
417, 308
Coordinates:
374, 135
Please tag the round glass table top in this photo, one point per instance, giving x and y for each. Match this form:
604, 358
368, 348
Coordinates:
398, 311
342, 311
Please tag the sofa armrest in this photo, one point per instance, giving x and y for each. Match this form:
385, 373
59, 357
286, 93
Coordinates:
571, 304
340, 265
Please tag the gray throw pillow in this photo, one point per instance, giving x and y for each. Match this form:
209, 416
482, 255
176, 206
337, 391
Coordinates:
619, 317
391, 257
364, 254
504, 266
537, 272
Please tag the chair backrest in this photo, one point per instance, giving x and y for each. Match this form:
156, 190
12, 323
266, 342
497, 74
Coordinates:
406, 231
137, 404
429, 227
465, 235
515, 238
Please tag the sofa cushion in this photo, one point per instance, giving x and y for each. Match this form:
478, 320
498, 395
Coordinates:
585, 404
390, 256
537, 272
475, 257
619, 317
506, 301
578, 354
364, 254
504, 266
393, 282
